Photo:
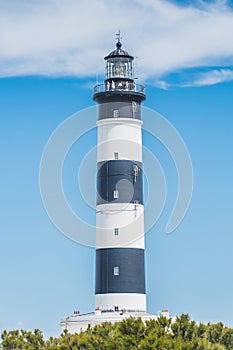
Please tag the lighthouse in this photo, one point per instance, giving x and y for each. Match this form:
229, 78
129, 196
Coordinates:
120, 290
120, 261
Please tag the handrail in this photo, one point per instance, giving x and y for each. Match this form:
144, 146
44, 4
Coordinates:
119, 86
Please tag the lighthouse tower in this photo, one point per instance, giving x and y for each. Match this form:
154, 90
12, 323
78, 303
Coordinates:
120, 261
120, 268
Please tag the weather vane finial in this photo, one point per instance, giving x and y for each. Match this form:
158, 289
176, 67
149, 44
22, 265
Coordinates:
118, 38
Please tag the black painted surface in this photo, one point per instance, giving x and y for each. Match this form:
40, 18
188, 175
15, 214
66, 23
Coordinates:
119, 175
131, 278
127, 109
111, 96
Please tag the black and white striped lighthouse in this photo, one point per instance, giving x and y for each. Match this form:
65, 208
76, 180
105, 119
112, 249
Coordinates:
120, 267
120, 261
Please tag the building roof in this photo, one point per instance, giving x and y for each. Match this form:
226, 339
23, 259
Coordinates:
118, 52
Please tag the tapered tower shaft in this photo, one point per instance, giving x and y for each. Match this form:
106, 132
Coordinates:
120, 269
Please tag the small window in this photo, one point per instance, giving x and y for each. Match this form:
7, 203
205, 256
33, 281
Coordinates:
116, 308
115, 113
116, 231
116, 271
116, 155
116, 194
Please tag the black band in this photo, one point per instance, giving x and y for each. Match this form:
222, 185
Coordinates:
123, 176
128, 262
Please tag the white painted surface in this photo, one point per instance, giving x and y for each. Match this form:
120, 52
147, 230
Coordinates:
127, 217
122, 136
127, 301
76, 324
119, 121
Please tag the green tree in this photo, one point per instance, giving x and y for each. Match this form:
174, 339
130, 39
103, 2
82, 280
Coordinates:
132, 331
214, 332
184, 328
129, 334
227, 338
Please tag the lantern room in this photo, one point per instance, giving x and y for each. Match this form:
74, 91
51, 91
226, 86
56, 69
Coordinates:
119, 64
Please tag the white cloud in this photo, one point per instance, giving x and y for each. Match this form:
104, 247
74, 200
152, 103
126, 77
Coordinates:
211, 78
70, 37
162, 84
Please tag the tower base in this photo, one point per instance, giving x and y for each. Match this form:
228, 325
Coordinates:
78, 323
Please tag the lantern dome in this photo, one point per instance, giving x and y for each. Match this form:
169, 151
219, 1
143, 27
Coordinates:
118, 52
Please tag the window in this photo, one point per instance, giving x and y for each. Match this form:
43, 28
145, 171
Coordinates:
116, 194
116, 231
116, 155
116, 271
116, 308
115, 113
119, 67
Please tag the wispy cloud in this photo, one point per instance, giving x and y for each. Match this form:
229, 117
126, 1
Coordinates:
194, 78
69, 37
212, 77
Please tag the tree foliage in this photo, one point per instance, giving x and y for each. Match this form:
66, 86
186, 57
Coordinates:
129, 334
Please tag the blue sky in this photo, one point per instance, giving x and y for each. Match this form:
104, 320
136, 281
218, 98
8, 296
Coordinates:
50, 59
